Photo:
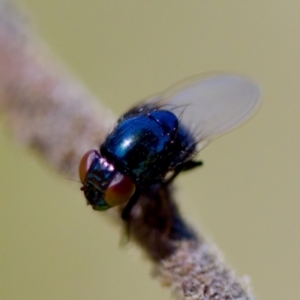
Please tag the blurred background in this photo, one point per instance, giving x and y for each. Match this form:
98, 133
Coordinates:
245, 198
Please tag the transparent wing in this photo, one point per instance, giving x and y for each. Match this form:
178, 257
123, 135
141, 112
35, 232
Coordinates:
209, 107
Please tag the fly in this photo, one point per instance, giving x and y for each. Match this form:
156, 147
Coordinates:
161, 135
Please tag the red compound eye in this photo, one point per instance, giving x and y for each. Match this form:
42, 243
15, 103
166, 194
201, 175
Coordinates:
86, 162
120, 190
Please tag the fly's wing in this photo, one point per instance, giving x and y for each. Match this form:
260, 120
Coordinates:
211, 106
205, 107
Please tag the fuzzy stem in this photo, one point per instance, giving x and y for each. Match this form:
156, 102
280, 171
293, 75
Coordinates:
49, 111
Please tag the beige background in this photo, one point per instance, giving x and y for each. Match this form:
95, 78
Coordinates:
246, 198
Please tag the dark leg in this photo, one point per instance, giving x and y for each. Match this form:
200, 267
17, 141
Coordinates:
189, 165
127, 209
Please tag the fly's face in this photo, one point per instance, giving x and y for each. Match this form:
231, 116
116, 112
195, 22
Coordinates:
103, 186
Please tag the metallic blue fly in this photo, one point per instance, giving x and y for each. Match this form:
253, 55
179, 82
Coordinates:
157, 139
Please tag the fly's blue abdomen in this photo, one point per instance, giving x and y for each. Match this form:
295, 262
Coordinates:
140, 146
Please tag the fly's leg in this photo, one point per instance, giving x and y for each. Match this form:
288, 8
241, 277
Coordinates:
189, 165
127, 209
126, 214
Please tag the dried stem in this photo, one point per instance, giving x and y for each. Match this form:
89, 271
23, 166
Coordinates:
49, 111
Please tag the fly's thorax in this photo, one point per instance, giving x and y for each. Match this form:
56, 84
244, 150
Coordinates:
140, 146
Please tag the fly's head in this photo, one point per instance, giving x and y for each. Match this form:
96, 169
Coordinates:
103, 186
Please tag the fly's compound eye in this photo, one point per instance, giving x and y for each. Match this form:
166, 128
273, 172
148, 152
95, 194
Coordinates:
85, 163
120, 190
